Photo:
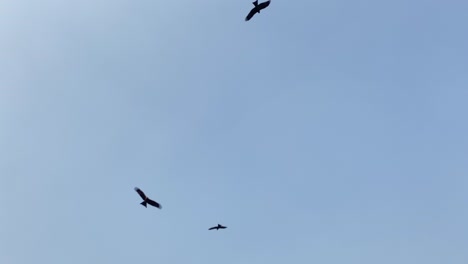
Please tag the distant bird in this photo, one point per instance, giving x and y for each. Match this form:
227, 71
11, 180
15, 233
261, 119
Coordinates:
217, 227
146, 200
257, 8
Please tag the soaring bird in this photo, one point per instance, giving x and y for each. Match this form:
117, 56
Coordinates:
146, 200
217, 227
256, 9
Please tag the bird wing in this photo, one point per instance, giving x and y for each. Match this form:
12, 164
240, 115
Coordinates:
264, 5
220, 226
251, 14
153, 203
211, 228
141, 193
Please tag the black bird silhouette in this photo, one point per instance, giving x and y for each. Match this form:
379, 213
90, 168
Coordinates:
146, 200
257, 9
217, 227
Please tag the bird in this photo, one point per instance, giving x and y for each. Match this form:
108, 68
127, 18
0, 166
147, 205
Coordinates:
147, 200
256, 9
217, 227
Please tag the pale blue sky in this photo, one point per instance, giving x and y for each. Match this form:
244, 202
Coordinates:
326, 132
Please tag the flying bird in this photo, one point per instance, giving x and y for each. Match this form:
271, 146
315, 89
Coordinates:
217, 227
146, 200
257, 8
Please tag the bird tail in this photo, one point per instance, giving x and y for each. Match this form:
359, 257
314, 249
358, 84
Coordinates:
143, 203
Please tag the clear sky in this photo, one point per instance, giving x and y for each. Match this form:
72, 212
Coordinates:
326, 132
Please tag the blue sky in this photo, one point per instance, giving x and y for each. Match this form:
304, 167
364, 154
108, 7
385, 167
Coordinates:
319, 132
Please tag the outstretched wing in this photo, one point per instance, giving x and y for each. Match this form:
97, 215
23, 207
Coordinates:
154, 203
211, 228
263, 5
222, 227
141, 193
251, 14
